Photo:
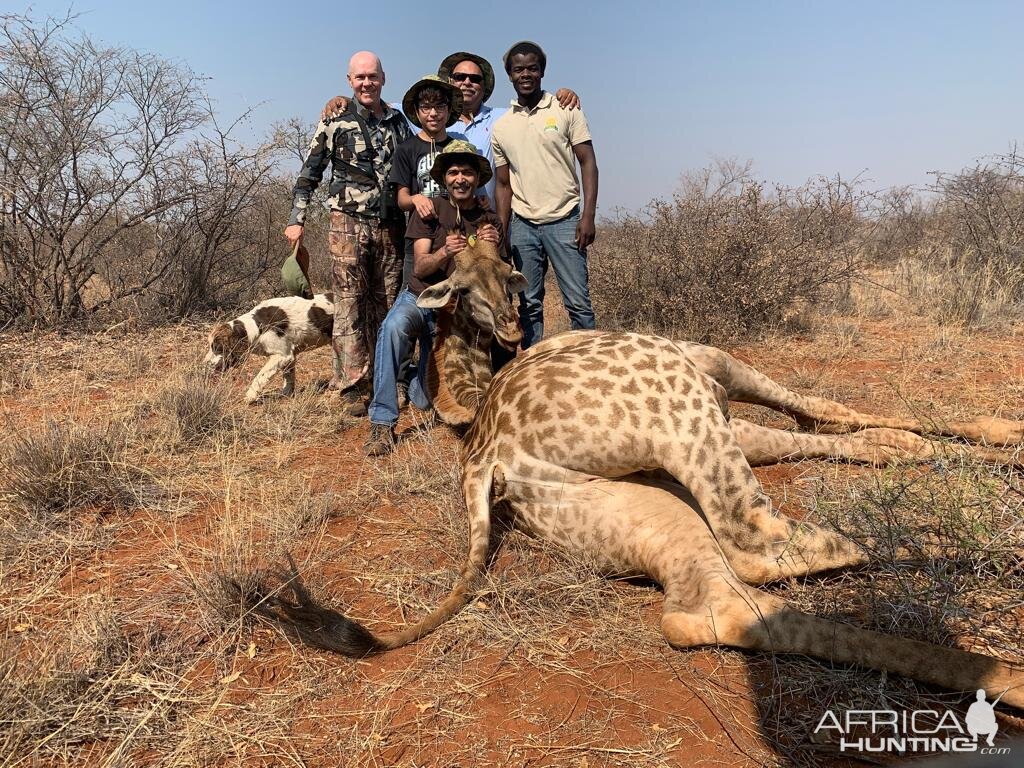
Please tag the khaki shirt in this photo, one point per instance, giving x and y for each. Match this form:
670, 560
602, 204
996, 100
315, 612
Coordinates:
536, 145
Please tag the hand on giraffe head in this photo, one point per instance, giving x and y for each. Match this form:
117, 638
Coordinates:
488, 233
455, 243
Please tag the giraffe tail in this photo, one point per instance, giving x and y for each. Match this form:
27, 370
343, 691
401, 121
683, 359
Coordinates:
293, 609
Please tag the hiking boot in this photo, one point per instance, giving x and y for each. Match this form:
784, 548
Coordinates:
354, 402
381, 440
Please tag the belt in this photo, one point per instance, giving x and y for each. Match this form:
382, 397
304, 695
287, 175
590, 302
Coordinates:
363, 217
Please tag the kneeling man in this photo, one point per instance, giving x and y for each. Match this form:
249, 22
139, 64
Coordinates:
435, 242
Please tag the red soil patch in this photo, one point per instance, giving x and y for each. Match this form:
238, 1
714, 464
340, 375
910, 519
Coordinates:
505, 706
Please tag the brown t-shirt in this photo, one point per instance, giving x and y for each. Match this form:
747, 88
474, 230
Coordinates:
437, 230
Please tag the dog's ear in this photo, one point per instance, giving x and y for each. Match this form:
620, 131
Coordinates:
220, 338
239, 339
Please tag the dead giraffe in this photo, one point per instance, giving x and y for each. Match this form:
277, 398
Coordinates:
567, 435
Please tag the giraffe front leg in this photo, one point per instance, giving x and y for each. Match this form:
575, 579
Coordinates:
724, 612
706, 604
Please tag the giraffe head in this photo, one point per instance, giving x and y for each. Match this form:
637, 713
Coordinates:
478, 294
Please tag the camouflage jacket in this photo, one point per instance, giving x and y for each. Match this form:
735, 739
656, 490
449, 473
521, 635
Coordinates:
358, 171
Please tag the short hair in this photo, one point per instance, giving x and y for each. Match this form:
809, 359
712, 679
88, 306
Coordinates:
434, 94
523, 49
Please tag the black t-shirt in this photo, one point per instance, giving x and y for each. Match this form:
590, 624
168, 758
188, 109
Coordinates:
411, 164
410, 168
437, 230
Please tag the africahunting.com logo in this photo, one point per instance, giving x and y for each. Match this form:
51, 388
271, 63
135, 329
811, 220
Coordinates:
923, 730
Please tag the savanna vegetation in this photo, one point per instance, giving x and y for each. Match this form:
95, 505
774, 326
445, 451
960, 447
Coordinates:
134, 486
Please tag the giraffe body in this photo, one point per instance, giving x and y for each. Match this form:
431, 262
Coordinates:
619, 446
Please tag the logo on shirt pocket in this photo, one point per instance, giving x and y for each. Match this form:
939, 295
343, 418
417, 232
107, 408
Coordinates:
551, 124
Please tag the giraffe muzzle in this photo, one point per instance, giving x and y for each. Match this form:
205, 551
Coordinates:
509, 334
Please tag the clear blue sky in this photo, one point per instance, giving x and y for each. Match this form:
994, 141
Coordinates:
896, 89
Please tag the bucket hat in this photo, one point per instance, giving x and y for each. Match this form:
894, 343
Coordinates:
432, 81
464, 152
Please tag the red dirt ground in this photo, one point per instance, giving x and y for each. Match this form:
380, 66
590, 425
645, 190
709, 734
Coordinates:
461, 697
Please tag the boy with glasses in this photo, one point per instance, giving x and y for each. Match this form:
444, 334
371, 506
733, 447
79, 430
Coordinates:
432, 105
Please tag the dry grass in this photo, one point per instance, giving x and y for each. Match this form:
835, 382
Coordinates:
948, 543
946, 569
50, 474
959, 295
121, 647
193, 409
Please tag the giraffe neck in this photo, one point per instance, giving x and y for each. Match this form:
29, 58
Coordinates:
460, 368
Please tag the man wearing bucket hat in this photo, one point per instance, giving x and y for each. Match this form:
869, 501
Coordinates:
536, 147
365, 233
436, 240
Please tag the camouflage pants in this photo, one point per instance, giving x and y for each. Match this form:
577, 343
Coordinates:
366, 275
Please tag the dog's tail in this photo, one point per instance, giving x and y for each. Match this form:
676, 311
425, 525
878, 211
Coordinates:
293, 609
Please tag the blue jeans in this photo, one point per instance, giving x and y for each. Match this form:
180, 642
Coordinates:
404, 324
533, 246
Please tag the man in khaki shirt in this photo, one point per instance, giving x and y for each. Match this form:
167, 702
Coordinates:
536, 146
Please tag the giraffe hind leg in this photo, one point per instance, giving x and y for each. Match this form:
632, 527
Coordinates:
744, 383
877, 447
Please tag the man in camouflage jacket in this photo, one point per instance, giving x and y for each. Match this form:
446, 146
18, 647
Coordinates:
366, 234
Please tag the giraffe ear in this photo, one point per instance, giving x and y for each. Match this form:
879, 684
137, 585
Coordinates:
517, 282
436, 296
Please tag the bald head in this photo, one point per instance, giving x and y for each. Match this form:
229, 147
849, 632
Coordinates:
366, 76
365, 61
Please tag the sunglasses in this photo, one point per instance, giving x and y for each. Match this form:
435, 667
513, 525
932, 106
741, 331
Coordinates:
458, 77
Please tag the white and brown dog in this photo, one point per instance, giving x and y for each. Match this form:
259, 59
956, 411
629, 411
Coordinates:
280, 328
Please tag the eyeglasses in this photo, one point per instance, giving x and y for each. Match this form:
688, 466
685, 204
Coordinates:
435, 107
458, 77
